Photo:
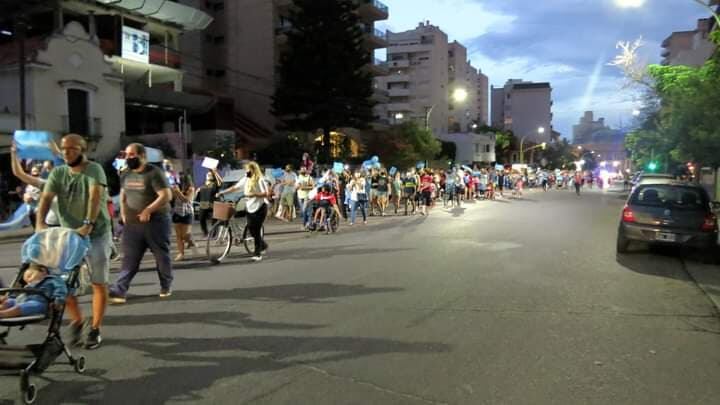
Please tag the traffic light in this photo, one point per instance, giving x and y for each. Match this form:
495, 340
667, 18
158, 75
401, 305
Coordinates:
652, 166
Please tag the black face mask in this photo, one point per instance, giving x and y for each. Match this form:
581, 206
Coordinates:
77, 161
133, 163
248, 174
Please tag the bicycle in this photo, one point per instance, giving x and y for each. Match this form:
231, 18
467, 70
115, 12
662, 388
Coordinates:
227, 231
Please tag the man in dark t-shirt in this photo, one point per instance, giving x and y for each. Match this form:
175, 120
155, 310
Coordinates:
145, 209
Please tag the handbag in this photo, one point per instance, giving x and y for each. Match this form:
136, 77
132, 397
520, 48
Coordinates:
362, 197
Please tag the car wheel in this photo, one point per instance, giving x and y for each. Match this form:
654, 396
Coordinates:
622, 243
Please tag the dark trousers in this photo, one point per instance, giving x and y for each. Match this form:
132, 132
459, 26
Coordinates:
255, 222
204, 216
136, 239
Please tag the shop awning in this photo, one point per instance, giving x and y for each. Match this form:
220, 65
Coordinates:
154, 97
190, 18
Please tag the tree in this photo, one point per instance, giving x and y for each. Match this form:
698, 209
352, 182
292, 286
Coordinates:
225, 153
559, 155
323, 81
403, 145
448, 151
505, 143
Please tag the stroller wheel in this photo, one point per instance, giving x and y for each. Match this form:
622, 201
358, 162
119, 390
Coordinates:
29, 391
79, 365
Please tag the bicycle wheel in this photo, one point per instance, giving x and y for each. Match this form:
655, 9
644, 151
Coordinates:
219, 242
248, 240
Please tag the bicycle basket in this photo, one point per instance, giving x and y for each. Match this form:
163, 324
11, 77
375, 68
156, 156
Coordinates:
223, 211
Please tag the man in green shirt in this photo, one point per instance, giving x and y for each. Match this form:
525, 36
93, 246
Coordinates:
82, 205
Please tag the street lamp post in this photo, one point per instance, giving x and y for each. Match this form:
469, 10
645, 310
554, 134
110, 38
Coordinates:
540, 130
458, 95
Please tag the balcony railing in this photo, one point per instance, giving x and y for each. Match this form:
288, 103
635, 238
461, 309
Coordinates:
379, 34
160, 55
90, 127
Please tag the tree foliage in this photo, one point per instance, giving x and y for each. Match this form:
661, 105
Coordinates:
323, 81
403, 145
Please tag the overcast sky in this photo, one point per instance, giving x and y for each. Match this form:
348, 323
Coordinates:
563, 42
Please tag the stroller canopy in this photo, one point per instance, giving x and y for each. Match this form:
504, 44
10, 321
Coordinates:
60, 249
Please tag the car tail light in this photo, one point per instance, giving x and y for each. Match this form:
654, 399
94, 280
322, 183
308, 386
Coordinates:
710, 223
628, 215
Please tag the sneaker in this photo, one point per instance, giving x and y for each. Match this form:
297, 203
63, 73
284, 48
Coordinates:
257, 258
264, 249
117, 299
76, 331
165, 293
93, 339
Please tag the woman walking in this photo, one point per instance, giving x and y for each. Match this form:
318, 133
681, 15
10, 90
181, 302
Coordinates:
257, 192
358, 197
397, 187
206, 197
183, 215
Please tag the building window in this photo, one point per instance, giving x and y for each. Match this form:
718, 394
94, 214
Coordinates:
220, 39
487, 148
477, 148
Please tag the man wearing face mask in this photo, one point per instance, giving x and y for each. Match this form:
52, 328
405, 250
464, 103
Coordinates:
81, 198
145, 210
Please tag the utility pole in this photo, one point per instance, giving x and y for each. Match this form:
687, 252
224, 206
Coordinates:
20, 30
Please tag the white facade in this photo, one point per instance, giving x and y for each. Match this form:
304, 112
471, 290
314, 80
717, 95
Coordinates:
71, 61
424, 72
418, 79
471, 147
525, 109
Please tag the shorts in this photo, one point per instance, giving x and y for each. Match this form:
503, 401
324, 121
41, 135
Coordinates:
381, 194
28, 308
182, 219
98, 258
426, 197
288, 199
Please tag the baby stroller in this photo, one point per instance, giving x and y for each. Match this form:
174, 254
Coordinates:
62, 251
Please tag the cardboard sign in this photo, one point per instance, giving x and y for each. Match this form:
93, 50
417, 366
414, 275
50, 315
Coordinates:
338, 167
210, 163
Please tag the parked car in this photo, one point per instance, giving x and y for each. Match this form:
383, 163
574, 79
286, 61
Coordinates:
652, 178
669, 214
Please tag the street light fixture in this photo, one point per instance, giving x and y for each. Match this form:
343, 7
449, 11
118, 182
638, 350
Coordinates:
629, 3
636, 113
399, 116
458, 95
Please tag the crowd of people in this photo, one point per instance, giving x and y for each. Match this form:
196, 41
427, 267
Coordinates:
153, 199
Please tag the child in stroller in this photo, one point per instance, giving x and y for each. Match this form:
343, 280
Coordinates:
37, 277
51, 261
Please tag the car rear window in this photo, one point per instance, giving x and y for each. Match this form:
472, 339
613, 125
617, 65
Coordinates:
664, 195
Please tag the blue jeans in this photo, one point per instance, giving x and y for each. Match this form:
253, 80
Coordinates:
305, 209
363, 210
137, 238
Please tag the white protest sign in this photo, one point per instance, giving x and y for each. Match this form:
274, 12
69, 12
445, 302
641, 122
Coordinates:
210, 163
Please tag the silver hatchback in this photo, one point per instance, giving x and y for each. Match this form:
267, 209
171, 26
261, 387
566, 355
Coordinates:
674, 214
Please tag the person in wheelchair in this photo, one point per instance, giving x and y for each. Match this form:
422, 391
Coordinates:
325, 201
36, 277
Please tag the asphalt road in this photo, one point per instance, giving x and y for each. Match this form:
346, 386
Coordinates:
508, 302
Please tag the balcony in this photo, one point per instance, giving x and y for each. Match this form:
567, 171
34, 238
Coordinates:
373, 10
398, 78
159, 55
665, 53
380, 96
399, 92
399, 64
398, 107
375, 38
90, 127
379, 67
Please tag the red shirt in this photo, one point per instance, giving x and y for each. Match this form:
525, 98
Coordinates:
426, 183
323, 196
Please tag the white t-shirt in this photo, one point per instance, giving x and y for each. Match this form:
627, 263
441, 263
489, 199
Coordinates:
254, 203
303, 181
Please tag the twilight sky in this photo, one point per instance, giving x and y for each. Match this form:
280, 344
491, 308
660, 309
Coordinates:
565, 42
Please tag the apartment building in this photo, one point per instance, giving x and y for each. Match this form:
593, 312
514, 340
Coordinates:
462, 75
104, 69
240, 52
483, 99
525, 109
690, 48
583, 131
425, 70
